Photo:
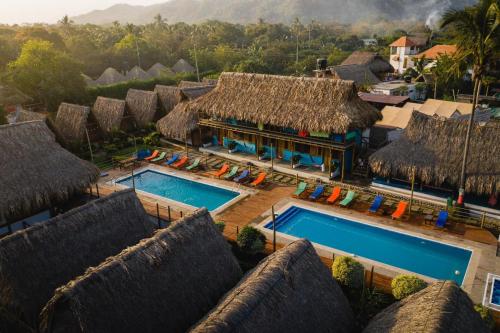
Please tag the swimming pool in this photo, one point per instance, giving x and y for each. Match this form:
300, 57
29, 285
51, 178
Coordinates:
495, 292
419, 255
182, 190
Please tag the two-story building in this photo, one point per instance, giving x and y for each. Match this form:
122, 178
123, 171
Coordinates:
402, 52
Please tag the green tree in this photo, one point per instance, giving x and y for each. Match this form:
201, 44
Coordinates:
251, 240
47, 74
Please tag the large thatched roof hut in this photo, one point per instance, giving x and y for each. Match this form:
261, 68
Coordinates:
62, 248
71, 121
311, 104
360, 74
374, 61
137, 73
159, 70
182, 66
434, 147
165, 283
289, 291
109, 113
110, 76
36, 171
440, 308
142, 105
169, 96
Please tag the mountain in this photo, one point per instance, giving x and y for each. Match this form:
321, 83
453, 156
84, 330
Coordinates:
245, 11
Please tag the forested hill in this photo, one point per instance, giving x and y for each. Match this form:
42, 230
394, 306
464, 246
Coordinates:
245, 11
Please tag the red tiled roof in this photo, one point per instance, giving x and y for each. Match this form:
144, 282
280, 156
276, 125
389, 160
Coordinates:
436, 51
383, 99
403, 42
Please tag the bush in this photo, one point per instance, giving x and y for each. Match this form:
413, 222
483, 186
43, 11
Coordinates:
348, 272
405, 285
251, 240
486, 315
221, 226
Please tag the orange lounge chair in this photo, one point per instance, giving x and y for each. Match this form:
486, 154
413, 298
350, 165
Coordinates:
400, 210
259, 180
181, 162
222, 170
153, 155
335, 195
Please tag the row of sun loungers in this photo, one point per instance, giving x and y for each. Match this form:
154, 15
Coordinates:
243, 177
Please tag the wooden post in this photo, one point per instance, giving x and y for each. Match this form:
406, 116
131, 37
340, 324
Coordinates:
97, 189
181, 213
274, 229
483, 218
272, 161
371, 277
237, 230
169, 216
158, 215
293, 151
412, 188
330, 165
343, 167
297, 179
133, 180
90, 146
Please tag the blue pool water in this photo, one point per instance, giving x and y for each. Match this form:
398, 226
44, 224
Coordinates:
179, 189
410, 253
495, 292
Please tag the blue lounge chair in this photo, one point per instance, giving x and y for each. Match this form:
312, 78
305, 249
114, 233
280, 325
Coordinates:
317, 192
377, 202
172, 160
242, 176
442, 218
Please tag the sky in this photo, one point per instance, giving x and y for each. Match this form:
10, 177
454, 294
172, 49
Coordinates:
50, 11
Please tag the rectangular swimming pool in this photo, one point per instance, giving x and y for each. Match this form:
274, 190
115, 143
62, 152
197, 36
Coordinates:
415, 254
185, 191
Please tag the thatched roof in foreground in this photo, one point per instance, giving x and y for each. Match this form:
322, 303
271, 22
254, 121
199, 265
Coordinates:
179, 123
182, 66
169, 96
310, 104
289, 291
110, 76
440, 308
71, 121
109, 113
374, 61
163, 284
142, 105
23, 115
62, 248
36, 171
435, 147
360, 74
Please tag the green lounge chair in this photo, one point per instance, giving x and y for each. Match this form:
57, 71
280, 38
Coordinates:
232, 173
300, 189
159, 158
348, 199
195, 164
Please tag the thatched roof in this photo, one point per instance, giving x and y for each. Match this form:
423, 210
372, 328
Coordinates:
169, 96
110, 76
181, 121
137, 73
211, 82
289, 291
159, 70
71, 121
360, 74
435, 147
195, 92
375, 62
109, 113
310, 104
36, 171
440, 308
12, 96
62, 248
182, 66
142, 105
191, 84
88, 80
163, 284
23, 115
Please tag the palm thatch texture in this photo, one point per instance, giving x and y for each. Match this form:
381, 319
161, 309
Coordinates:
23, 115
440, 308
71, 121
179, 123
159, 70
109, 113
375, 62
182, 66
137, 73
192, 93
36, 171
169, 96
311, 104
192, 84
62, 248
142, 105
289, 291
163, 284
360, 74
110, 76
434, 147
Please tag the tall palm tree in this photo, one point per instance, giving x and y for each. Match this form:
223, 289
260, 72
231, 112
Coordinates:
478, 38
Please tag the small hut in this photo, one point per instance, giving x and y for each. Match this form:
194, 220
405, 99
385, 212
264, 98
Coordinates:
36, 171
374, 61
137, 73
360, 74
433, 146
88, 80
440, 308
159, 70
182, 66
109, 113
110, 76
142, 105
169, 96
71, 122
289, 291
165, 283
62, 248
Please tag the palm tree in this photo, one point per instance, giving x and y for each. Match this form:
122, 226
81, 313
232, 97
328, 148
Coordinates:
478, 36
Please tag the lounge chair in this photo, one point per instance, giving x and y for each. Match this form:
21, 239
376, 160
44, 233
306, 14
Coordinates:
377, 202
335, 195
159, 158
400, 210
172, 160
222, 170
260, 179
300, 189
153, 155
180, 163
232, 173
194, 165
317, 192
349, 198
442, 218
243, 175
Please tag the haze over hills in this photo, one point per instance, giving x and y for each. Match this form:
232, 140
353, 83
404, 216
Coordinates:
245, 11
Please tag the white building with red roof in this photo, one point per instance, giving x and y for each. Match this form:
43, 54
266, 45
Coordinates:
402, 52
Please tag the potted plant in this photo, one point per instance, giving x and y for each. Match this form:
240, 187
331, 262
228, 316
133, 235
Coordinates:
232, 147
207, 141
261, 153
295, 161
